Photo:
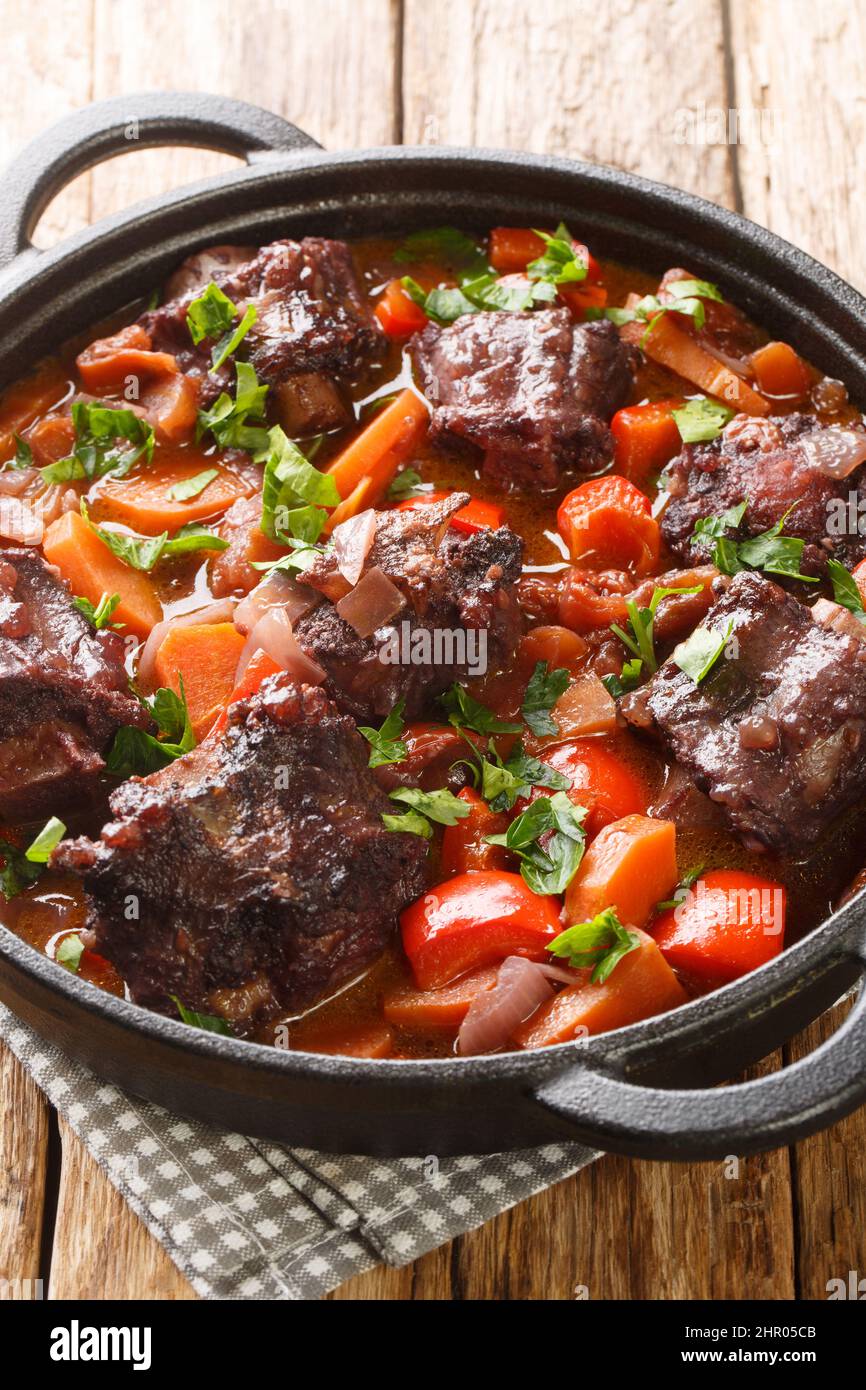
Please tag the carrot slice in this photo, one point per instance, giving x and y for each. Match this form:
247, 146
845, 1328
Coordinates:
669, 345
645, 438
438, 1008
630, 865
260, 667
91, 570
205, 656
780, 371
608, 523
642, 984
141, 501
346, 1040
378, 450
22, 403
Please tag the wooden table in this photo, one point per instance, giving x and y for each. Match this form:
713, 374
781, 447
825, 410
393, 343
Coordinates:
641, 84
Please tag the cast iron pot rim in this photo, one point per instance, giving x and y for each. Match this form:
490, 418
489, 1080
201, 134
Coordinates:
823, 947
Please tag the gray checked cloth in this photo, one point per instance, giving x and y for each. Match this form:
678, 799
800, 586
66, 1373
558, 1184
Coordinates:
248, 1219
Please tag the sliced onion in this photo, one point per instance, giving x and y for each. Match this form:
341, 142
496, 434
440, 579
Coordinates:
372, 603
273, 634
221, 612
277, 590
495, 1013
352, 541
20, 522
585, 708
14, 481
835, 452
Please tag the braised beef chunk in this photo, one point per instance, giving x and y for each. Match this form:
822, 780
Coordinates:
311, 318
63, 691
725, 328
776, 732
456, 611
532, 392
777, 464
261, 873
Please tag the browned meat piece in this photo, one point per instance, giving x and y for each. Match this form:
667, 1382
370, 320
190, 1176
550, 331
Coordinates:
776, 464
197, 271
776, 732
63, 691
459, 613
532, 392
310, 403
311, 318
262, 873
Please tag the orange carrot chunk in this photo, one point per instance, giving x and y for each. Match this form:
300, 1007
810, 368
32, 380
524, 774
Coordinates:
630, 866
438, 1008
669, 345
205, 656
642, 984
378, 450
23, 402
144, 500
608, 523
645, 438
780, 371
91, 570
345, 1040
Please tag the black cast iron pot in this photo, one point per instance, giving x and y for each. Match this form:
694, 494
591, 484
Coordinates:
623, 1090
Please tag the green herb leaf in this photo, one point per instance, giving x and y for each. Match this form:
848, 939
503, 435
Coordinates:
562, 263
627, 679
845, 590
410, 823
23, 457
208, 1022
688, 289
701, 419
100, 616
640, 637
192, 487
441, 806
232, 341
98, 452
465, 712
69, 953
447, 245
699, 653
385, 743
144, 552
290, 481
49, 837
542, 692
135, 752
227, 419
601, 943
406, 484
211, 315
548, 867
689, 878
504, 783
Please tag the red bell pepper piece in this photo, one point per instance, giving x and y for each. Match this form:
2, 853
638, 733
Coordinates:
464, 846
477, 515
398, 313
473, 920
730, 923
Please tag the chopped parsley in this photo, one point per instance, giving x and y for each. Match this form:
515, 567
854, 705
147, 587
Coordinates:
562, 263
99, 616
627, 679
542, 692
465, 712
386, 746
640, 639
505, 782
845, 590
135, 752
69, 953
144, 552
688, 880
699, 653
213, 315
448, 245
406, 484
601, 943
208, 1022
192, 487
771, 551
21, 868
294, 492
108, 444
442, 806
228, 420
487, 291
688, 297
701, 419
549, 839
23, 456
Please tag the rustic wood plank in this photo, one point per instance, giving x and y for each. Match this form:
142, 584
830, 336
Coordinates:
42, 82
804, 64
600, 82
23, 1159
101, 1249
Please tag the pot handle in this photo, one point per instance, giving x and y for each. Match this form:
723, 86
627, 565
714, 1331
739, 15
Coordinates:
108, 128
607, 1112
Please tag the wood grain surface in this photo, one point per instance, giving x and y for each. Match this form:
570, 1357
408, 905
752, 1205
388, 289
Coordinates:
645, 85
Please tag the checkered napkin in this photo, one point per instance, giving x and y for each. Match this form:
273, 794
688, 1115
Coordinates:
245, 1218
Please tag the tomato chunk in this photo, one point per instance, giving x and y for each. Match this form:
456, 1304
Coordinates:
474, 920
730, 923
645, 438
398, 313
608, 522
464, 847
